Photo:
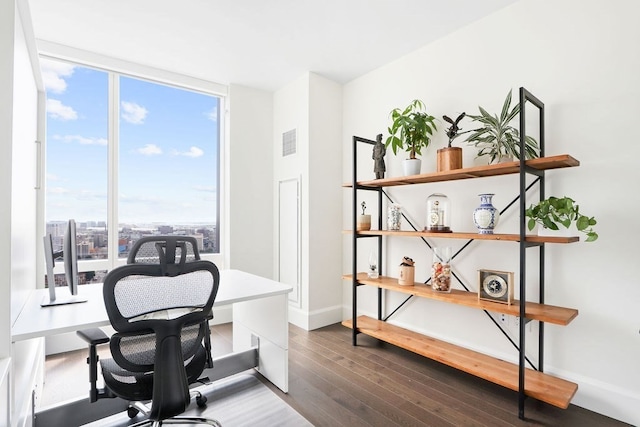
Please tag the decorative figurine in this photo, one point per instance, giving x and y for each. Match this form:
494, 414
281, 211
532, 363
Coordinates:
364, 221
450, 158
454, 130
379, 150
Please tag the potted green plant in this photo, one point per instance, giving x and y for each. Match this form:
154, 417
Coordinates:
411, 130
497, 138
553, 211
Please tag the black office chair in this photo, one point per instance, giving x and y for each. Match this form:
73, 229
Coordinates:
160, 311
159, 249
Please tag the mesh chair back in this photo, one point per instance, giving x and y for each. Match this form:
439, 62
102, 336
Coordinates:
140, 297
164, 250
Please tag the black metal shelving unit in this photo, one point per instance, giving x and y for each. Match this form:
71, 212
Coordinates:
524, 172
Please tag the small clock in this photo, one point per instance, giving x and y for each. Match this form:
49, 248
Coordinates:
434, 218
496, 286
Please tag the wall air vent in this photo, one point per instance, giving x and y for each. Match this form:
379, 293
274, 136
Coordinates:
289, 143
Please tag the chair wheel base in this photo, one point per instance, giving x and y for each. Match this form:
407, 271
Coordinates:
132, 412
201, 401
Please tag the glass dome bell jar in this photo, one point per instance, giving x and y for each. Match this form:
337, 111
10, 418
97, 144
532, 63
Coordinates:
438, 214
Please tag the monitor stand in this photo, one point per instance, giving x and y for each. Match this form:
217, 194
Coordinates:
71, 299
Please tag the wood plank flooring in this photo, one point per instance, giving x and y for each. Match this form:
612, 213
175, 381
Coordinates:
332, 383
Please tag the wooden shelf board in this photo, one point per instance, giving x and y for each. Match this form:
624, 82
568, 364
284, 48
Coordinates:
475, 236
542, 163
541, 386
542, 312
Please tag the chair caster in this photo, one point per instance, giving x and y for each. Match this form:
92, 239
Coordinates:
201, 400
132, 412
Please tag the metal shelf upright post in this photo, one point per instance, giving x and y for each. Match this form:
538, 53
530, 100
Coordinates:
356, 236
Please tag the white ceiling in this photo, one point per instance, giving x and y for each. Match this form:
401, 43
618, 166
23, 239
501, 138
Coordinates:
258, 43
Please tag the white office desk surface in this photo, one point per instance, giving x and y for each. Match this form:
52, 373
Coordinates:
35, 321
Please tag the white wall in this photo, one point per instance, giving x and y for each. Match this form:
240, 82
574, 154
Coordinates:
7, 36
581, 59
18, 124
311, 104
249, 184
324, 189
23, 181
291, 113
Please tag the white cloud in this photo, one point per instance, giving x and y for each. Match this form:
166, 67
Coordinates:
53, 73
150, 150
212, 115
133, 113
193, 152
81, 139
57, 110
204, 188
57, 190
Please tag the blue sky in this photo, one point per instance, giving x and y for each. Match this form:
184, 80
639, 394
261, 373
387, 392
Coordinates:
168, 152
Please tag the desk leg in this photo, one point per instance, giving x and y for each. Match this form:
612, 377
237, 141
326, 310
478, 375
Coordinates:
267, 319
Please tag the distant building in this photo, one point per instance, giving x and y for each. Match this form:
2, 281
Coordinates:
200, 239
165, 229
56, 228
84, 250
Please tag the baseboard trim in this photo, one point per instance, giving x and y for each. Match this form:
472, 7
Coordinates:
315, 319
603, 398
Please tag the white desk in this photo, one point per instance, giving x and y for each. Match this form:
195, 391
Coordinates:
260, 309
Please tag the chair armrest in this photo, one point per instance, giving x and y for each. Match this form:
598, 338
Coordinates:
93, 336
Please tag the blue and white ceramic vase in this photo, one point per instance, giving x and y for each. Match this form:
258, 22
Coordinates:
486, 216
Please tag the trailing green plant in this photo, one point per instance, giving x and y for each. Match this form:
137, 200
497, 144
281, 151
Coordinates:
411, 129
553, 211
497, 138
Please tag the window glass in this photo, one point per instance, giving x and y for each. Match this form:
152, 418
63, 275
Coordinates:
76, 156
168, 171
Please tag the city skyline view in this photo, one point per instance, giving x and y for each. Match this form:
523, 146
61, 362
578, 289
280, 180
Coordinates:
168, 152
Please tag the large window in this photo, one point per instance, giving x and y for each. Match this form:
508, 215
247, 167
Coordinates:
128, 157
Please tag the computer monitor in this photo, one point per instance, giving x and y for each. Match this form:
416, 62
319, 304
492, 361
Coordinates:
70, 256
70, 249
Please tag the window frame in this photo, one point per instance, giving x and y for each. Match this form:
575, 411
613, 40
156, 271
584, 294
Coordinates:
116, 68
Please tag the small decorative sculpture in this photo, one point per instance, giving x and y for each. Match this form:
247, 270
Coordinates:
453, 131
406, 262
379, 151
363, 205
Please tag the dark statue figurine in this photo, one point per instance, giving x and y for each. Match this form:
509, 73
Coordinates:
379, 150
454, 129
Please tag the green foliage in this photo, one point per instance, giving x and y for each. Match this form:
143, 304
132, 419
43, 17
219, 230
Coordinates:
497, 138
553, 211
411, 129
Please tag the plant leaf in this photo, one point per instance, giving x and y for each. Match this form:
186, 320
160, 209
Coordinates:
582, 223
505, 107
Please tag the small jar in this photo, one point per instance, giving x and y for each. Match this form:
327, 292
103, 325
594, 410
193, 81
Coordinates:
438, 214
441, 269
393, 217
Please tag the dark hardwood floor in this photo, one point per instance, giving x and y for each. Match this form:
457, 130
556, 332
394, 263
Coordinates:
332, 383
